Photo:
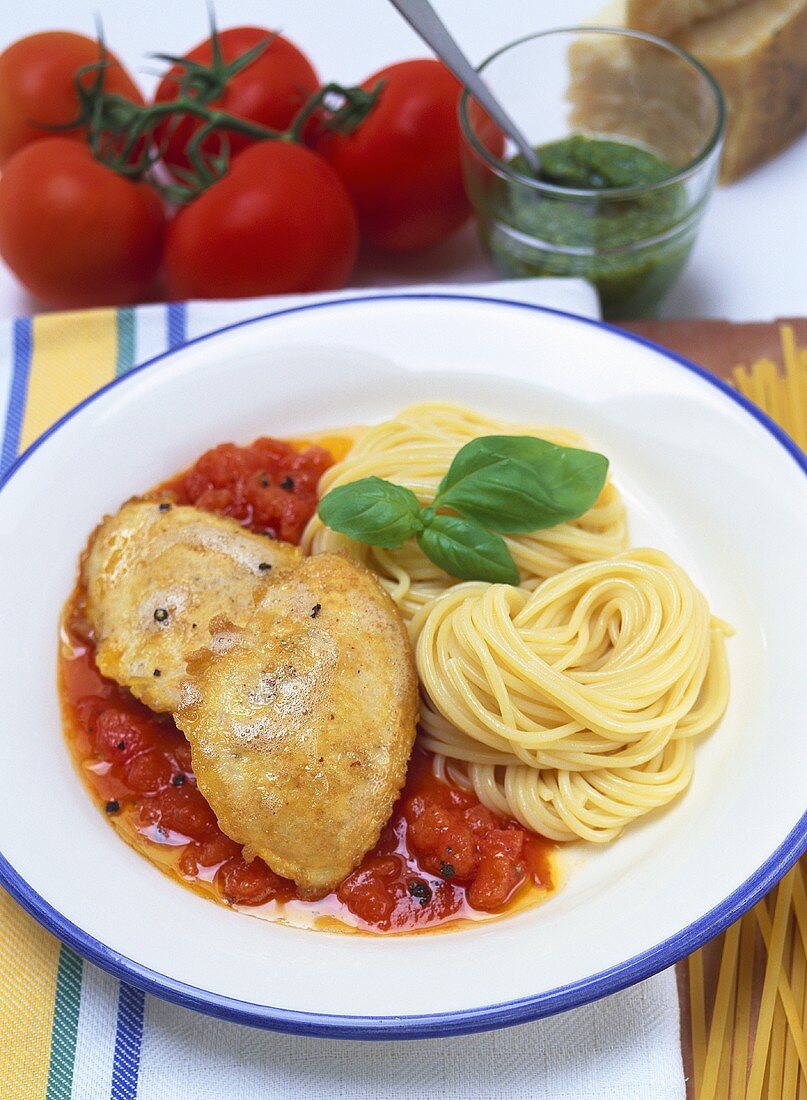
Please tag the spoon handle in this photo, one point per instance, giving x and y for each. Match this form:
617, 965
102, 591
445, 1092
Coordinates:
423, 19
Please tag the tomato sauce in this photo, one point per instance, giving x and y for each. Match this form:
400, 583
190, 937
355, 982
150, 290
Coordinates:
269, 486
442, 858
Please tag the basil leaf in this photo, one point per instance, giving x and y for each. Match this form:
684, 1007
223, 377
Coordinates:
514, 484
373, 511
468, 551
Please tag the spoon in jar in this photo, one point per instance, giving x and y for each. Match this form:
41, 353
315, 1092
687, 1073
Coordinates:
423, 19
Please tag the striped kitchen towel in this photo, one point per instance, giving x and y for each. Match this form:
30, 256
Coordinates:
69, 1030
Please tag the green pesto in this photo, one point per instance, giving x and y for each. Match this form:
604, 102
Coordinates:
617, 236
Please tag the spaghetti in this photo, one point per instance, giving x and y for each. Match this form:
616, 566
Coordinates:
415, 449
573, 708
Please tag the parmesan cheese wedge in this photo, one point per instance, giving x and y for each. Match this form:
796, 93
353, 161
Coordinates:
757, 53
665, 17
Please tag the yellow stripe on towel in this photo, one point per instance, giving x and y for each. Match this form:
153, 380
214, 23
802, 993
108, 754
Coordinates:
26, 1007
74, 354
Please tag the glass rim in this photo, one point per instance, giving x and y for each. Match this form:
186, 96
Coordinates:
507, 172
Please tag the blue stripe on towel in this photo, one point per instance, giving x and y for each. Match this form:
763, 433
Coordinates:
21, 368
128, 1040
177, 325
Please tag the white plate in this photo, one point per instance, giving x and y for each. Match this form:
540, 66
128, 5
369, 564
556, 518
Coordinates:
705, 478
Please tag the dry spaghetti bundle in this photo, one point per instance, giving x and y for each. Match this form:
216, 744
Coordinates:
750, 1040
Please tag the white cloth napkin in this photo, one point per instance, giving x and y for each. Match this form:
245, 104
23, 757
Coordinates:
570, 295
624, 1048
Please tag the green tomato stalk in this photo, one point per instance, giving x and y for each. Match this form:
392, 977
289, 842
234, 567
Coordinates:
121, 134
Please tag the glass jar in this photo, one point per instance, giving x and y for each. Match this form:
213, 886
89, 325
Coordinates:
628, 129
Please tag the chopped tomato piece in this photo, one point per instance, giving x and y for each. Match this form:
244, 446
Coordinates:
269, 486
119, 734
180, 810
207, 853
384, 893
455, 836
251, 883
495, 880
217, 849
441, 839
505, 842
367, 894
149, 772
479, 819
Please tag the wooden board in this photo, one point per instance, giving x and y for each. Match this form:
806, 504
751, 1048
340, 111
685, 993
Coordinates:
719, 346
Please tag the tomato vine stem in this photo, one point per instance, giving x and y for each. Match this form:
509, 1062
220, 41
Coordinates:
206, 83
123, 135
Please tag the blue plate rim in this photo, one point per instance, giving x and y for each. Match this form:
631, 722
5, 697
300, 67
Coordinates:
482, 1018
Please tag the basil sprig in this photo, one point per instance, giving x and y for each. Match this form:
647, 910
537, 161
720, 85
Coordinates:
515, 483
465, 550
373, 511
497, 485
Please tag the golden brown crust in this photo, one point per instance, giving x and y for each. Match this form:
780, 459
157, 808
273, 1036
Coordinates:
155, 575
302, 721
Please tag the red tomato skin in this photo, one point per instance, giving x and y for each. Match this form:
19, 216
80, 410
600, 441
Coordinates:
74, 232
181, 810
36, 86
279, 222
269, 91
251, 883
402, 165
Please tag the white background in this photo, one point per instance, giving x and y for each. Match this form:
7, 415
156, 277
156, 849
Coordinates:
750, 262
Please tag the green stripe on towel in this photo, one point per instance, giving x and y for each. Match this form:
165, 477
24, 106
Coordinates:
65, 1026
